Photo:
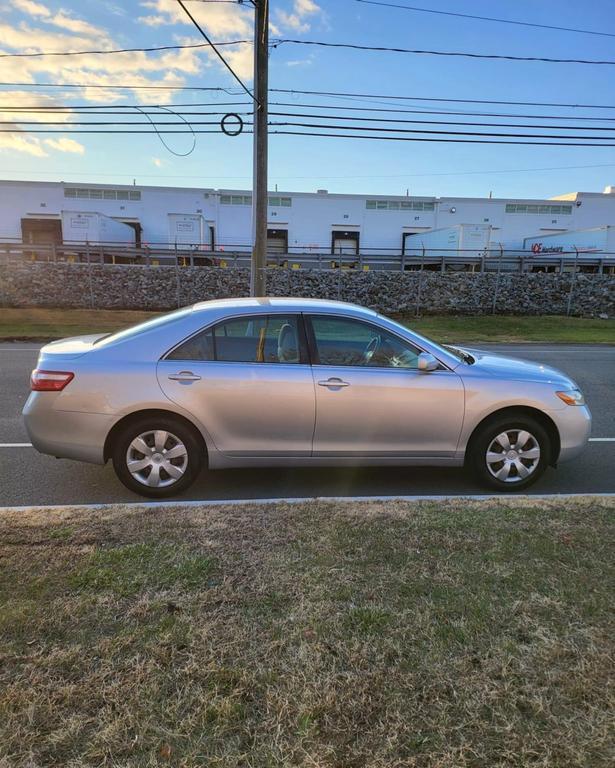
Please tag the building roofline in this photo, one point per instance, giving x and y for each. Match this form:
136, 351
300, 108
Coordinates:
309, 195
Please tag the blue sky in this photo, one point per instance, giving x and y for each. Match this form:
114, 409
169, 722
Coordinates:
302, 163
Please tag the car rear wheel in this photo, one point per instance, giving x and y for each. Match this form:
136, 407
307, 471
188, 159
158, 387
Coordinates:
157, 457
510, 454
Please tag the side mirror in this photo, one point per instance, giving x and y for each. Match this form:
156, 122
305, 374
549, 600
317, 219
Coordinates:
427, 362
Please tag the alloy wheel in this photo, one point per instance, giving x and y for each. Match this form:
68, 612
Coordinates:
513, 455
157, 458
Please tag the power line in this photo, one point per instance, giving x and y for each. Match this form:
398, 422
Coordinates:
119, 50
163, 142
69, 125
119, 86
447, 133
442, 136
438, 140
216, 51
444, 122
106, 131
137, 87
306, 115
487, 18
462, 54
439, 112
320, 43
127, 109
432, 98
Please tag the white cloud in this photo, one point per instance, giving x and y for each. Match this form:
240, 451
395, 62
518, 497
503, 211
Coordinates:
62, 19
15, 142
223, 20
292, 21
297, 19
152, 21
65, 145
300, 63
307, 7
32, 8
66, 21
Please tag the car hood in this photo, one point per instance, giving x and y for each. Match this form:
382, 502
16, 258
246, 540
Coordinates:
76, 346
515, 368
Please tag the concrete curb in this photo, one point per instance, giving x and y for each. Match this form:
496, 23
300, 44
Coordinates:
305, 500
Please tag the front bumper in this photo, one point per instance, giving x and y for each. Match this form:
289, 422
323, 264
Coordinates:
65, 434
574, 424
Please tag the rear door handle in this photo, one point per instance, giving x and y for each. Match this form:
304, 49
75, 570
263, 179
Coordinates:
334, 383
184, 376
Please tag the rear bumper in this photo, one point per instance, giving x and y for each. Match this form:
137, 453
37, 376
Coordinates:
574, 424
65, 434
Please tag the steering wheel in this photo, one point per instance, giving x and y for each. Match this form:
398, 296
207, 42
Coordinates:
370, 350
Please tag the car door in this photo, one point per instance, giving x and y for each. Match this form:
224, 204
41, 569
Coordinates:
371, 399
248, 381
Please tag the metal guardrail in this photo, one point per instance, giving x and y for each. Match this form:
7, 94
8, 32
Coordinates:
454, 260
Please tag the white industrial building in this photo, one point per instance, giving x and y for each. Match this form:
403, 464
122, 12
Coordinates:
48, 212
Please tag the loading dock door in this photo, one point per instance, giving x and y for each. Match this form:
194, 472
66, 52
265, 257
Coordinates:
411, 245
277, 241
41, 231
344, 243
136, 225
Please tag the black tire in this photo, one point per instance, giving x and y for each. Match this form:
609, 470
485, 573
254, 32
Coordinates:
483, 442
179, 434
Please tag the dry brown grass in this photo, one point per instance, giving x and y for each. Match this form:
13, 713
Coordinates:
37, 323
338, 635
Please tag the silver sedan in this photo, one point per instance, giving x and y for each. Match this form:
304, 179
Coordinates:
296, 382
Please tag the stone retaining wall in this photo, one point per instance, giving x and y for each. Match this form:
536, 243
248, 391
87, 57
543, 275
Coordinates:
163, 288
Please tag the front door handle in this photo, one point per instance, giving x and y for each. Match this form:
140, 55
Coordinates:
184, 376
334, 383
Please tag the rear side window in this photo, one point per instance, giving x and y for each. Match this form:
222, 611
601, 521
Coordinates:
254, 339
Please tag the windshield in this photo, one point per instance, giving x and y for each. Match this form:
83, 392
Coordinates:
134, 330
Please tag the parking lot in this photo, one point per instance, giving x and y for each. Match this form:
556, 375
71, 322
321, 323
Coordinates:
27, 477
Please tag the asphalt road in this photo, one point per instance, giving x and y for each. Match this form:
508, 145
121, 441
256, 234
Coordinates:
27, 477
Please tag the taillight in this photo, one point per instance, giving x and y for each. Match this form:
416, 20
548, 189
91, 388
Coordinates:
49, 381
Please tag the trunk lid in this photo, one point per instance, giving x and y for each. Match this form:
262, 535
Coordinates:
68, 349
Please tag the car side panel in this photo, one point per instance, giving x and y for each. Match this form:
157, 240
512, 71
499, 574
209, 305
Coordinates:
486, 395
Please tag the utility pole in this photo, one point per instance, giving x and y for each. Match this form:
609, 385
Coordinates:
259, 191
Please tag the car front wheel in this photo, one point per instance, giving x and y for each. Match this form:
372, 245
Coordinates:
157, 457
510, 454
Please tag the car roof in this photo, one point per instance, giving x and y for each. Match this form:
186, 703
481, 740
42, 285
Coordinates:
289, 304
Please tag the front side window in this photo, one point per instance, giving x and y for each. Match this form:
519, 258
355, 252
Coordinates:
341, 341
254, 339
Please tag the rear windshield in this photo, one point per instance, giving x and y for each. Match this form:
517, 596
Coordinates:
135, 330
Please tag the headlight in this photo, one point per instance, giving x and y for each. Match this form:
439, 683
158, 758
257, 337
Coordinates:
572, 397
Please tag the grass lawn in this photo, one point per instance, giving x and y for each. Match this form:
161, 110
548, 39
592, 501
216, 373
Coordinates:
59, 323
464, 634
509, 328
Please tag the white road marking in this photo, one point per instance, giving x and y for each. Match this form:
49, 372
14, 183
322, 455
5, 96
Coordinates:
306, 499
29, 445
15, 445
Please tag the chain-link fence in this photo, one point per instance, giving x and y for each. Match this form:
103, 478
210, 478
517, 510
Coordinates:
563, 288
